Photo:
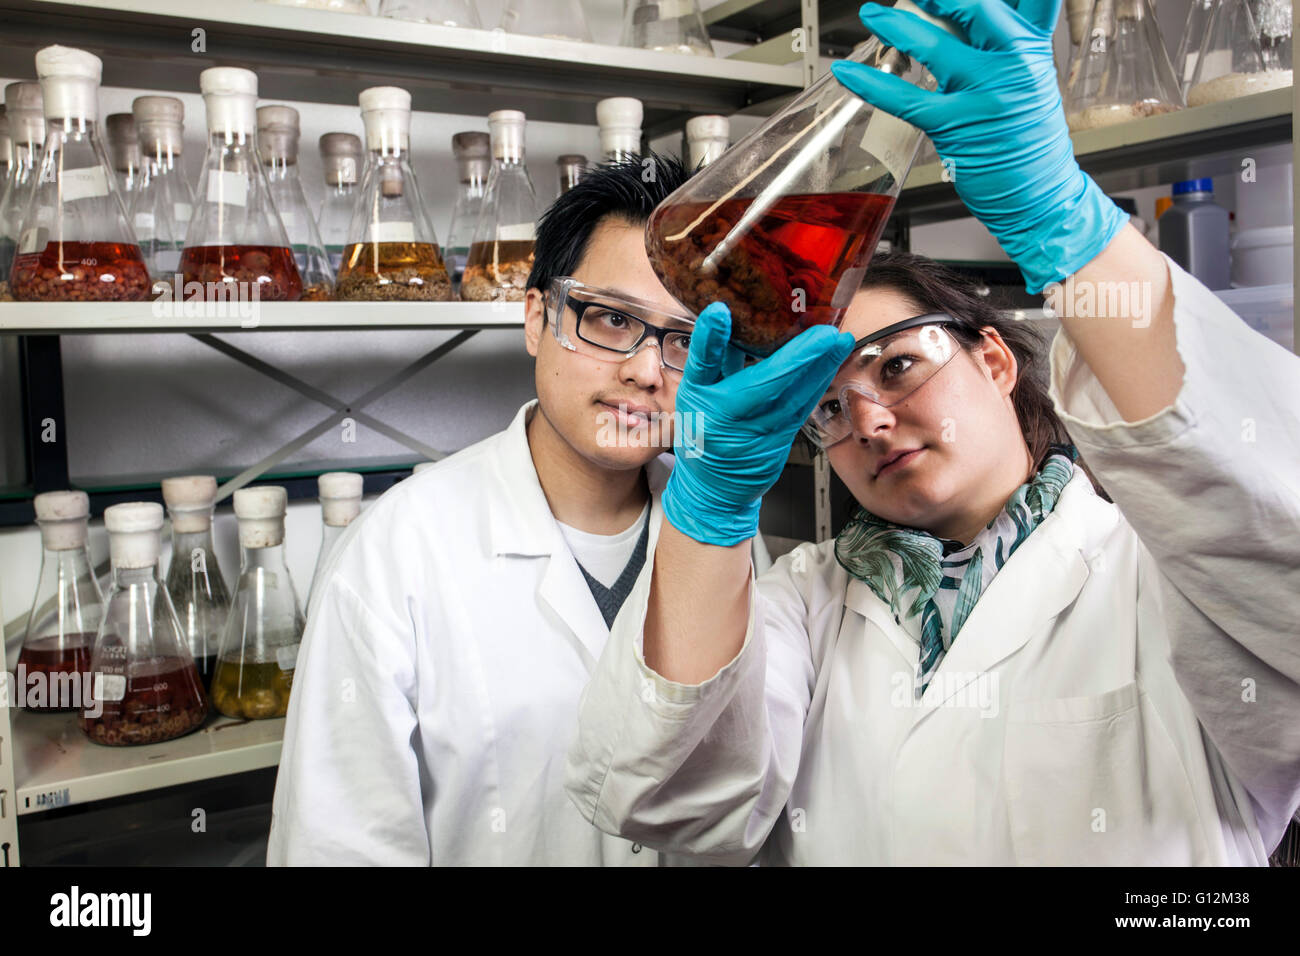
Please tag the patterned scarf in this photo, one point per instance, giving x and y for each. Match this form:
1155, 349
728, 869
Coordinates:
945, 577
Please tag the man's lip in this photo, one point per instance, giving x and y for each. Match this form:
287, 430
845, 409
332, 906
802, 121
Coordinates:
895, 459
626, 408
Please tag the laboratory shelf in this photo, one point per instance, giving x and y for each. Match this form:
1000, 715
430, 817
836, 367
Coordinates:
751, 21
55, 765
323, 56
61, 318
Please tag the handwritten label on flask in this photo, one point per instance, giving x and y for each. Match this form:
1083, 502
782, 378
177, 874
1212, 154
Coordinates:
86, 183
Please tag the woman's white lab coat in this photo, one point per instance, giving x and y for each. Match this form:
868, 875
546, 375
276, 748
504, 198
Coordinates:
437, 687
1125, 691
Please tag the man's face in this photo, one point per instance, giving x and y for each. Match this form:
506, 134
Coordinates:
600, 405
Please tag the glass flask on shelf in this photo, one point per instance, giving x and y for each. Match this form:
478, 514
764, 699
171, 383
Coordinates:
194, 580
473, 154
392, 252
340, 503
123, 152
1198, 20
571, 167
1077, 14
259, 648
277, 141
707, 138
66, 611
619, 120
236, 247
1122, 72
447, 13
358, 7
501, 255
555, 19
75, 243
341, 156
162, 207
781, 228
145, 686
26, 119
1273, 18
668, 26
1229, 60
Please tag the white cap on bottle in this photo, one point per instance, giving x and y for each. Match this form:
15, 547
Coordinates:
62, 516
230, 95
340, 497
261, 515
133, 529
619, 118
69, 82
159, 122
386, 112
24, 105
506, 128
706, 138
190, 499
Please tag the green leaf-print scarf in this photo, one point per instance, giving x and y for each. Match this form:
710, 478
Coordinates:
945, 578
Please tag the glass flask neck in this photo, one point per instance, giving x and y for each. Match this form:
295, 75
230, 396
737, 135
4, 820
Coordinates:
70, 127
185, 542
280, 168
621, 155
161, 161
124, 578
221, 140
269, 558
472, 188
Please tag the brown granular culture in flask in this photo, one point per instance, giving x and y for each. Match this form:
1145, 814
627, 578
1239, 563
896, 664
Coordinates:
4, 291
497, 271
393, 272
160, 702
270, 268
317, 292
81, 272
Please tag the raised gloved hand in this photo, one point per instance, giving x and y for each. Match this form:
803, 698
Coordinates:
997, 121
734, 430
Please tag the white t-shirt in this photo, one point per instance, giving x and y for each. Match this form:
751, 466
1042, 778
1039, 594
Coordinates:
604, 556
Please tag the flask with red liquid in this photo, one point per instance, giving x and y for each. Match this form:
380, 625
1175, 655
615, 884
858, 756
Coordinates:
76, 243
54, 663
145, 686
781, 227
236, 247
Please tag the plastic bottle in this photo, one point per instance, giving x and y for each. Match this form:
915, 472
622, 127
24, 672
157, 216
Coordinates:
1194, 233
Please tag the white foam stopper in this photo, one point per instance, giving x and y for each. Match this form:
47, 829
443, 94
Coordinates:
230, 95
133, 529
708, 127
340, 497
159, 121
506, 128
619, 118
261, 515
69, 82
62, 516
25, 107
190, 500
386, 113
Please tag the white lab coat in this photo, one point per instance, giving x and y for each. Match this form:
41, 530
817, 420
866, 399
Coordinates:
1124, 692
437, 686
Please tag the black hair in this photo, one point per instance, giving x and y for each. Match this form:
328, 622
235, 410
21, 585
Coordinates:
627, 190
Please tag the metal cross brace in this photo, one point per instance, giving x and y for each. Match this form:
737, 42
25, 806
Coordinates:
342, 409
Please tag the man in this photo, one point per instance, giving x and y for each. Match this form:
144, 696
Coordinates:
437, 687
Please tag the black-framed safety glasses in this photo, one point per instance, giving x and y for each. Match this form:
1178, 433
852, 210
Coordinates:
608, 322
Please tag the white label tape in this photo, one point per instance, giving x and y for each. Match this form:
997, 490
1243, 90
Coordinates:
183, 212
143, 225
392, 232
87, 183
109, 687
520, 232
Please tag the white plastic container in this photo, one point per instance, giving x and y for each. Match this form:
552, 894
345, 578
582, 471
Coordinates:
1263, 256
1269, 310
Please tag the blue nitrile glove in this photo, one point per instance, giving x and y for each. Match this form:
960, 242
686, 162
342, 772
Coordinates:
733, 431
997, 119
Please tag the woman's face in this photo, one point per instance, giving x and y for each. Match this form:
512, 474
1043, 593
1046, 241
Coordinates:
962, 451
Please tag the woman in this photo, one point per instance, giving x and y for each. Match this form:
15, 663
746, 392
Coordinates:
991, 664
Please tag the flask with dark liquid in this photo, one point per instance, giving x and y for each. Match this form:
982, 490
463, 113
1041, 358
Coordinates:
782, 225
54, 664
501, 255
194, 580
145, 687
473, 161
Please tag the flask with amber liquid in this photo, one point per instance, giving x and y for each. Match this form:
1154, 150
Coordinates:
501, 255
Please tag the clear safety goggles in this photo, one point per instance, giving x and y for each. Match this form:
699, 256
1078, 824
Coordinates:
885, 367
614, 327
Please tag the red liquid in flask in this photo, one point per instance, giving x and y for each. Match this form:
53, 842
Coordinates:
271, 268
153, 701
782, 276
81, 272
57, 659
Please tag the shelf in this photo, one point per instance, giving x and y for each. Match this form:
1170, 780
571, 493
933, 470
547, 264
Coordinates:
60, 318
750, 21
1205, 141
327, 57
56, 766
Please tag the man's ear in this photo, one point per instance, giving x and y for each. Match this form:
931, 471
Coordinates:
999, 360
534, 320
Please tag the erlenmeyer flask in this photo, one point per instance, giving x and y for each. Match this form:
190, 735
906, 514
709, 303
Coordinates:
123, 152
340, 503
501, 255
572, 167
146, 688
341, 156
277, 141
1123, 71
555, 19
1189, 45
1077, 13
669, 26
1230, 61
163, 205
473, 161
392, 250
782, 226
67, 609
236, 247
259, 648
194, 580
619, 120
447, 13
707, 138
27, 132
76, 244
